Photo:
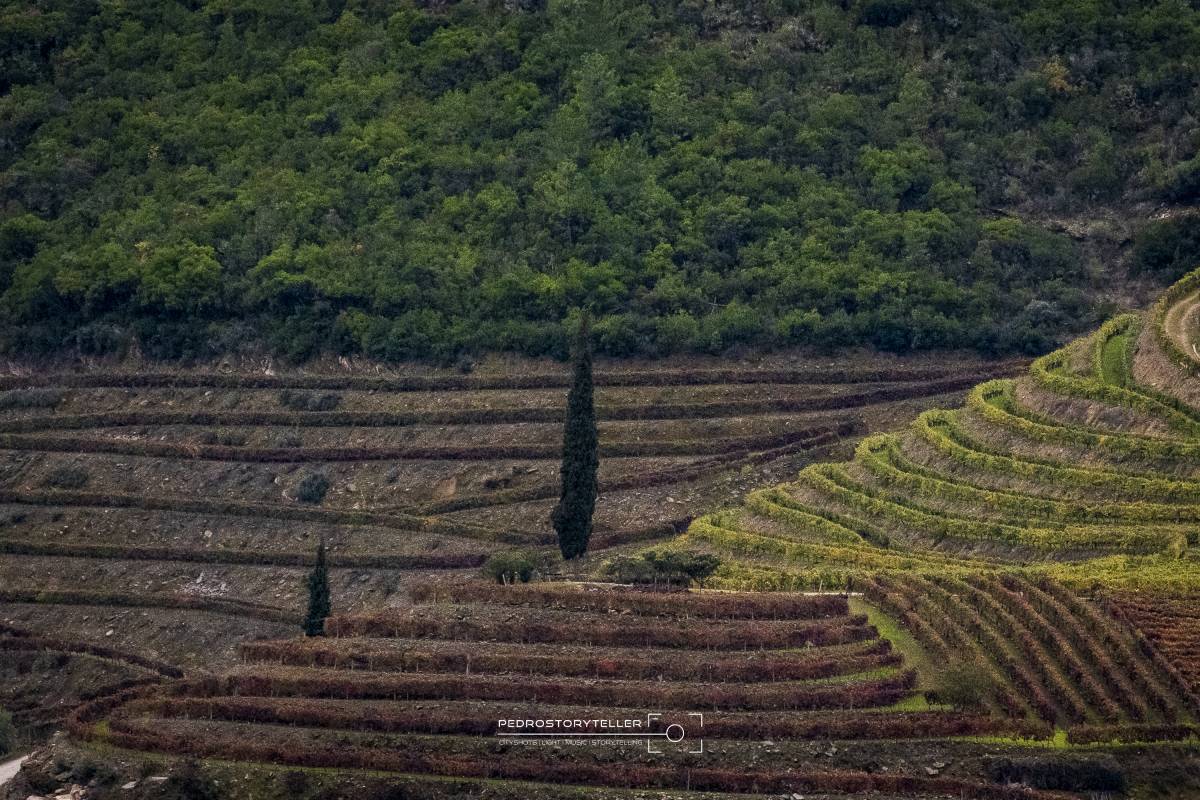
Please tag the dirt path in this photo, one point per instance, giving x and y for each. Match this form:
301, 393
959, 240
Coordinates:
1183, 319
8, 769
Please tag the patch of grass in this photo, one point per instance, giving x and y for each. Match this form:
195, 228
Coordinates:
902, 641
1113, 366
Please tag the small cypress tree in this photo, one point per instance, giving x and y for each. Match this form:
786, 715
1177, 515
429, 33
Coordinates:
573, 514
318, 595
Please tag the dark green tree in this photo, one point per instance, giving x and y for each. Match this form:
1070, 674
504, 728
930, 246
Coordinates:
318, 595
573, 514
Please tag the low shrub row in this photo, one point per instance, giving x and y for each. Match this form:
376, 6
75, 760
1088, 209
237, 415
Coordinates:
994, 402
306, 401
1117, 643
832, 480
595, 630
232, 556
1113, 351
482, 415
29, 398
799, 552
942, 431
868, 692
676, 604
990, 634
1017, 643
1083, 676
642, 479
734, 445
1061, 773
45, 643
545, 380
407, 718
285, 747
763, 667
1173, 732
881, 455
1146, 647
192, 505
1133, 700
237, 608
963, 637
774, 504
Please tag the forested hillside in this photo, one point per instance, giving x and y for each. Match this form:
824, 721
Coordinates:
419, 180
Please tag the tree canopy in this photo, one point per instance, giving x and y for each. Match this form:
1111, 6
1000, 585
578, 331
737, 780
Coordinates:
416, 180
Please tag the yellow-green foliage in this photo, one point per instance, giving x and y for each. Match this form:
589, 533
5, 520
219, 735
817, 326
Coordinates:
881, 455
994, 401
1112, 355
1120, 521
941, 430
1051, 372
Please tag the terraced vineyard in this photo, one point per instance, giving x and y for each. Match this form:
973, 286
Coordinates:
1047, 532
157, 497
425, 691
1005, 594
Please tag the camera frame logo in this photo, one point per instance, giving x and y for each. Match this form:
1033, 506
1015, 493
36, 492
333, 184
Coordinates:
654, 730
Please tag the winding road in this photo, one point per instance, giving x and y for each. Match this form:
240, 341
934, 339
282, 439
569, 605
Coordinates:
1181, 323
10, 768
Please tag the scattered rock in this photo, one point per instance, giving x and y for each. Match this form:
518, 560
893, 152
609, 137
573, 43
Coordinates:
445, 489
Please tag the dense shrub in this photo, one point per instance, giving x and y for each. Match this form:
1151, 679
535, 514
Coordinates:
294, 782
31, 398
289, 439
7, 732
679, 567
188, 782
223, 438
964, 686
1182, 183
512, 566
1167, 248
312, 488
1060, 773
67, 477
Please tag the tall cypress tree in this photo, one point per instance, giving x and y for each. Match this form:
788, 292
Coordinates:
318, 595
573, 514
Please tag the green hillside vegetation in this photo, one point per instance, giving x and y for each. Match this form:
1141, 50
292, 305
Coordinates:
406, 180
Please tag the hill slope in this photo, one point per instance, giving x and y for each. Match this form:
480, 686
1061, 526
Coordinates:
1025, 579
426, 178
